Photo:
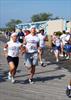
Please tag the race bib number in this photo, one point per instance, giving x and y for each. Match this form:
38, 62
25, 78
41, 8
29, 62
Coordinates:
21, 37
14, 51
33, 48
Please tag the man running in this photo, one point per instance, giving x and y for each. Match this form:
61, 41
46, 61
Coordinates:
31, 42
42, 37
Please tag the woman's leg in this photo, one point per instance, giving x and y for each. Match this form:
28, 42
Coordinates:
16, 62
56, 52
12, 68
62, 49
40, 56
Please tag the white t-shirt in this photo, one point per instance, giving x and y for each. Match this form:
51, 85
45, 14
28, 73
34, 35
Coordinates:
63, 38
31, 43
42, 40
13, 48
57, 42
67, 37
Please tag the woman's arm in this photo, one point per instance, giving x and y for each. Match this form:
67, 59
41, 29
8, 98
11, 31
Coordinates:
5, 50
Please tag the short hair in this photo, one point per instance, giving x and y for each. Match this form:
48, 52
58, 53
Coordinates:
64, 31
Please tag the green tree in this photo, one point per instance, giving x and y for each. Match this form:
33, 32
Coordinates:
12, 23
55, 18
58, 33
41, 17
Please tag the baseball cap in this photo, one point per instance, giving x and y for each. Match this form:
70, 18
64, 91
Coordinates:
32, 27
13, 34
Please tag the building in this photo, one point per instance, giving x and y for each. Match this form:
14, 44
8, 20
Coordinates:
26, 26
50, 27
69, 26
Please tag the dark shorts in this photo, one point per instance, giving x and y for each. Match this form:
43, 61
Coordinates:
53, 45
21, 40
15, 60
56, 48
67, 48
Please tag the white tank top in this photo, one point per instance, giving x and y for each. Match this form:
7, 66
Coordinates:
57, 42
13, 48
41, 38
31, 43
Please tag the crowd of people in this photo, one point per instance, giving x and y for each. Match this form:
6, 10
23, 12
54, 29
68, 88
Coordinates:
61, 45
32, 45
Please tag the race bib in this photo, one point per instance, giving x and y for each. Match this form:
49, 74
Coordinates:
33, 48
14, 51
21, 37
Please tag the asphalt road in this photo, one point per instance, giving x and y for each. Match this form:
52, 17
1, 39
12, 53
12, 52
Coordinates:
50, 82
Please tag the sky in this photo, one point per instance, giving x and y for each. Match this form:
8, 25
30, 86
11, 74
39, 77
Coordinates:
24, 9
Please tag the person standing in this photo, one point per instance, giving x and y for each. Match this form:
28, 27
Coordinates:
21, 36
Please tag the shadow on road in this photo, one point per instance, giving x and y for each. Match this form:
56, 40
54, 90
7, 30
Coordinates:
41, 79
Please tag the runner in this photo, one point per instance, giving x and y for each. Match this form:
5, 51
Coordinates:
53, 38
11, 51
56, 46
63, 42
67, 46
68, 90
26, 32
42, 37
31, 42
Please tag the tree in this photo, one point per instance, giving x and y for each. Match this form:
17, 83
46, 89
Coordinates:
55, 18
12, 23
41, 17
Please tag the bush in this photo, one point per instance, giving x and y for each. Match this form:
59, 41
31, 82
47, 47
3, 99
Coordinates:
58, 33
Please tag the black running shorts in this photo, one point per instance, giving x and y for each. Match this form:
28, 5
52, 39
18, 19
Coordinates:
15, 60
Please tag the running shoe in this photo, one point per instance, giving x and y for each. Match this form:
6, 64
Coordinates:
9, 76
68, 91
67, 57
12, 80
57, 60
30, 81
42, 64
61, 55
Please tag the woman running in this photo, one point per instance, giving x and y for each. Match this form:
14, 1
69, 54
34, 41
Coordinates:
56, 46
11, 50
